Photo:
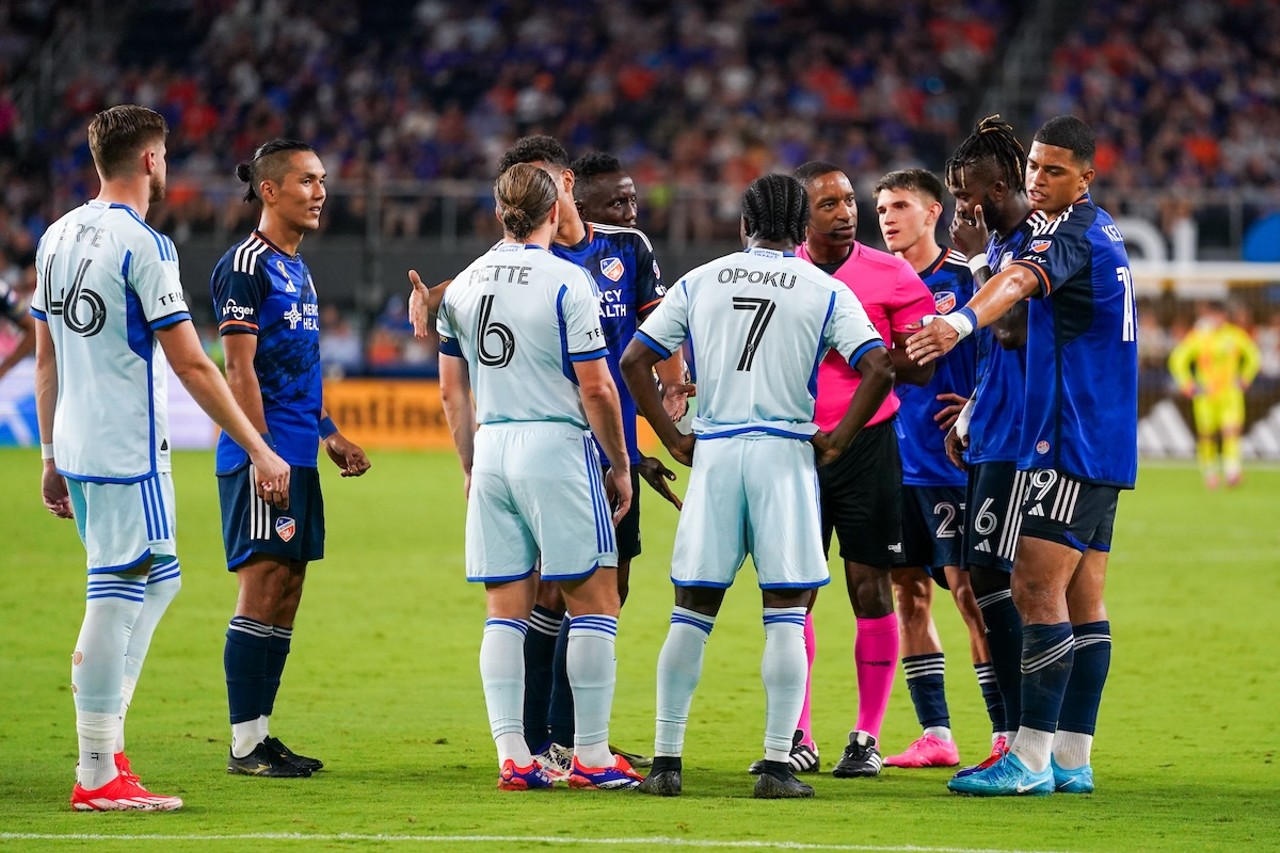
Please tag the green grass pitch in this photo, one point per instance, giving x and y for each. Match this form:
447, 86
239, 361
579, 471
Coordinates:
383, 684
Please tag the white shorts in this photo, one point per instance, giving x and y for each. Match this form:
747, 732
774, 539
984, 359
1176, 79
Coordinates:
123, 524
756, 495
537, 489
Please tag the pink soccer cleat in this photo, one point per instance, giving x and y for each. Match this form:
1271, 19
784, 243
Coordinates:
529, 778
927, 751
618, 775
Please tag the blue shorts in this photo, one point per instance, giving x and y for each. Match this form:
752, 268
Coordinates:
251, 526
933, 527
991, 514
1062, 509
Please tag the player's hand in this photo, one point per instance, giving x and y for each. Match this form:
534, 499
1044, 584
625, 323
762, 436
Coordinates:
419, 302
656, 474
682, 452
825, 450
675, 400
932, 342
617, 484
271, 476
347, 455
969, 235
946, 417
956, 446
53, 489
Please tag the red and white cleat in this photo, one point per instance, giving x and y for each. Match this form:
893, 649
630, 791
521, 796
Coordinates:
123, 793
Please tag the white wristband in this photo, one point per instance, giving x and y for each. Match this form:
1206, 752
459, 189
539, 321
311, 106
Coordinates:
46, 451
961, 321
962, 421
978, 263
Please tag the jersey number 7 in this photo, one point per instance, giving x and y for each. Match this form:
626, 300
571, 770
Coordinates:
763, 309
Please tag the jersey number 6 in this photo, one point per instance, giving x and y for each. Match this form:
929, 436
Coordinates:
505, 350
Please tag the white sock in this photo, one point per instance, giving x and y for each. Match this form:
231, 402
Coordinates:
1072, 749
784, 669
1008, 738
593, 672
163, 583
502, 672
97, 735
1033, 746
245, 737
679, 670
128, 685
942, 733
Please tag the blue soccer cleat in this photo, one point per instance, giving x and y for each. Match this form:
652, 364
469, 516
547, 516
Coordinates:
529, 778
613, 777
1008, 777
1076, 781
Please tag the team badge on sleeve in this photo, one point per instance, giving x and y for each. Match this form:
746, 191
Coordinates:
285, 528
612, 268
944, 301
1039, 246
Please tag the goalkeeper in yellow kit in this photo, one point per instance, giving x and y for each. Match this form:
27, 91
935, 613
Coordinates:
1213, 365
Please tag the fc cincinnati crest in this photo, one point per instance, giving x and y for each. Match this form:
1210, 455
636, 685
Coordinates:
612, 268
286, 527
944, 301
1039, 246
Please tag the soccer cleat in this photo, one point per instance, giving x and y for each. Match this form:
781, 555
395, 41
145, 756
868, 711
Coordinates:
861, 758
1008, 777
274, 744
529, 778
616, 776
635, 759
123, 768
264, 761
556, 761
777, 782
1076, 781
998, 749
927, 751
664, 780
123, 793
803, 758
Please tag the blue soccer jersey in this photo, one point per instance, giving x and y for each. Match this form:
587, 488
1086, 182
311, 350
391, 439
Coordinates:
1081, 415
260, 290
920, 442
996, 427
622, 263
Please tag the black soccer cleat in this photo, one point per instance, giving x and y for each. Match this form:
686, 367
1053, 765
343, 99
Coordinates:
803, 758
274, 744
635, 759
777, 782
861, 758
664, 778
264, 761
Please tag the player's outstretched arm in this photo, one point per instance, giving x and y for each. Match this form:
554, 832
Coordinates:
53, 489
992, 301
346, 454
202, 380
604, 413
637, 371
877, 381
459, 411
424, 303
675, 391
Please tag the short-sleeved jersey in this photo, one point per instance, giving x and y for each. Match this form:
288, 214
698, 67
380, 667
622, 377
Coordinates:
995, 430
761, 322
1081, 415
894, 297
106, 282
1215, 358
521, 317
621, 262
259, 289
920, 442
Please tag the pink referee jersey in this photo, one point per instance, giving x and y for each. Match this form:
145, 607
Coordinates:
894, 297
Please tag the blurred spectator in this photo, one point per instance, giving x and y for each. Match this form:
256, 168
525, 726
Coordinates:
341, 351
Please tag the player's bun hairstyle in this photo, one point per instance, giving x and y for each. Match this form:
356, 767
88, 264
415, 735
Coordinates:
268, 164
535, 149
912, 180
1070, 133
992, 142
525, 195
814, 169
776, 208
117, 136
590, 166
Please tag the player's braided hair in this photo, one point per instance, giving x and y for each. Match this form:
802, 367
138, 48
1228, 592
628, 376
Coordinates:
268, 164
535, 149
525, 195
776, 208
992, 141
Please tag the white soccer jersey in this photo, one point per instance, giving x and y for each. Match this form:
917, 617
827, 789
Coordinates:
105, 282
760, 321
520, 317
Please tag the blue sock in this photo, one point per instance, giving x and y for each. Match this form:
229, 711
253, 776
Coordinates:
539, 657
277, 653
927, 682
1047, 655
560, 709
991, 695
1004, 640
1088, 675
245, 660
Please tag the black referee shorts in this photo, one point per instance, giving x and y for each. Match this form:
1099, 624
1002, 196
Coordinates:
862, 499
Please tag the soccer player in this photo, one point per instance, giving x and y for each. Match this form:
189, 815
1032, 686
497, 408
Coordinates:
111, 321
1078, 450
1213, 365
13, 310
521, 328
908, 204
862, 489
265, 302
985, 176
604, 193
763, 320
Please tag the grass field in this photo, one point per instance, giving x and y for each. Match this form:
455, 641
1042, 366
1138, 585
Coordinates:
384, 685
